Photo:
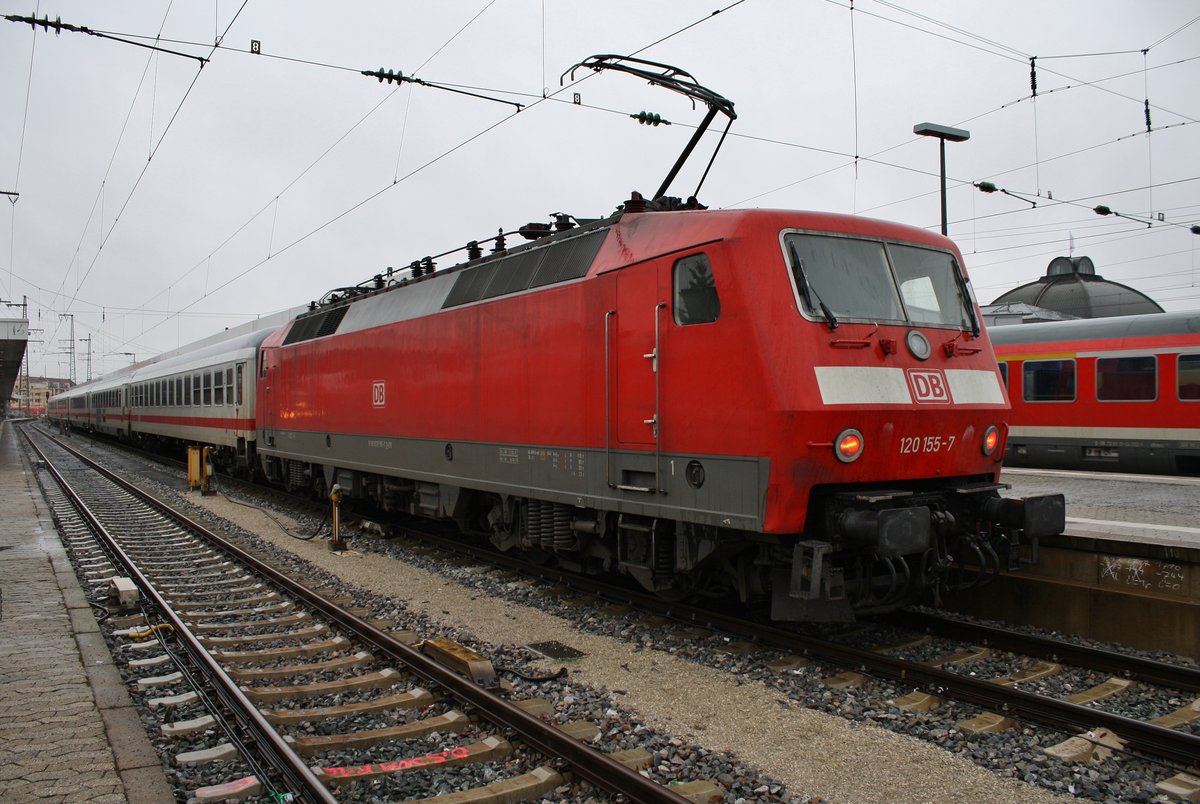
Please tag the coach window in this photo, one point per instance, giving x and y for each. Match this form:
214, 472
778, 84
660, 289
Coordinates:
1127, 379
241, 370
207, 388
696, 300
1189, 378
180, 399
1048, 380
229, 386
195, 390
218, 388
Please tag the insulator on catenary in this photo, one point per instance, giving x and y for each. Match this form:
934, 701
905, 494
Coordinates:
415, 267
385, 75
650, 119
500, 243
1033, 76
427, 264
1147, 115
474, 252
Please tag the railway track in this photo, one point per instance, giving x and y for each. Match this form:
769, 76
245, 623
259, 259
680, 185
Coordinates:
274, 689
1011, 676
935, 673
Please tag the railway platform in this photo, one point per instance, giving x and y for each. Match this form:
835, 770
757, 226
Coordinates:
68, 732
1126, 570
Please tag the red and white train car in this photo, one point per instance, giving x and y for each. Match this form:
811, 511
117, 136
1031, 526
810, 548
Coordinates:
202, 394
1119, 394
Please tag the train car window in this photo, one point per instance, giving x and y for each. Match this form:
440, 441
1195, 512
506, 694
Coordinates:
195, 390
848, 278
1127, 379
207, 388
1189, 378
229, 386
930, 287
241, 368
1048, 380
218, 388
180, 399
1004, 373
696, 300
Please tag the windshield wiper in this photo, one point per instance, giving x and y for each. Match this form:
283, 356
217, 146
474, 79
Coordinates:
808, 292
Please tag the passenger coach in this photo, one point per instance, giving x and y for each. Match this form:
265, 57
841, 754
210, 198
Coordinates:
1117, 394
203, 394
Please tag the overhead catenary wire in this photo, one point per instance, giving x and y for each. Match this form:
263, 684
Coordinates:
377, 193
396, 177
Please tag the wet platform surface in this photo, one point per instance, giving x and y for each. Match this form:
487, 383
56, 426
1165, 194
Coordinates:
68, 731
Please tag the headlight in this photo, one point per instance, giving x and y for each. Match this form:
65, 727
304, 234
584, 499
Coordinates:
848, 445
991, 439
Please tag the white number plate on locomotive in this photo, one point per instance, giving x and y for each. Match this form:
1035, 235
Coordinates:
914, 444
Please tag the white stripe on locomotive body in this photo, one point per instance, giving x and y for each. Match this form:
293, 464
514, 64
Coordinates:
972, 386
1149, 432
870, 385
859, 385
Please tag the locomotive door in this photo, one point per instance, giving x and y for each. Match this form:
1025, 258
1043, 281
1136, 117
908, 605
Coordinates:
637, 355
265, 400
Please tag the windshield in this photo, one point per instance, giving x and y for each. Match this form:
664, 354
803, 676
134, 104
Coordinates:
875, 281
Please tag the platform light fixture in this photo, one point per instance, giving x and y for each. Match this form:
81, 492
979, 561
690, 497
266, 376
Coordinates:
942, 133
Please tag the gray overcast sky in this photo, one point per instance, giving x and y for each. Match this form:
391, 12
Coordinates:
276, 177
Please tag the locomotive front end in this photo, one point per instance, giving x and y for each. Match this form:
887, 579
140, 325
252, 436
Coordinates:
897, 440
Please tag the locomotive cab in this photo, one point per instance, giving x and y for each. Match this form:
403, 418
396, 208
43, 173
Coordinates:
908, 412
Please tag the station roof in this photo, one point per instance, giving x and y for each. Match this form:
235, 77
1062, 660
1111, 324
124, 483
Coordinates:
14, 335
1072, 287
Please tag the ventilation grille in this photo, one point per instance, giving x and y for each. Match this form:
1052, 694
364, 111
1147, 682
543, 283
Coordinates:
528, 269
316, 326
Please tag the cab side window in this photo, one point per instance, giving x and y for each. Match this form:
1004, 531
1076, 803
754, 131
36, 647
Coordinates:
695, 292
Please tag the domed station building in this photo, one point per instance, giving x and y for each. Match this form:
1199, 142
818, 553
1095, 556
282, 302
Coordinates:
1070, 289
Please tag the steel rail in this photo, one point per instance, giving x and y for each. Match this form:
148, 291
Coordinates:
595, 766
286, 761
1147, 671
1159, 741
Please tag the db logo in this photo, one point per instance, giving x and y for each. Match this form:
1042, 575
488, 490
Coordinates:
379, 393
928, 385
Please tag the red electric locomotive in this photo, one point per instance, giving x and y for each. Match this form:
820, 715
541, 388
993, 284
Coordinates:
1117, 394
777, 403
791, 406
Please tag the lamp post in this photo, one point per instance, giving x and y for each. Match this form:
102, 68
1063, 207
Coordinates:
943, 133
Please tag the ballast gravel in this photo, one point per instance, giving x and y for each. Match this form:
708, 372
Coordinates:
814, 755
